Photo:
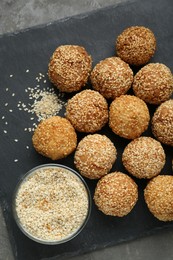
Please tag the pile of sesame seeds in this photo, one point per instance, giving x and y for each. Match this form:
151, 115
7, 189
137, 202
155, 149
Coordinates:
44, 102
40, 101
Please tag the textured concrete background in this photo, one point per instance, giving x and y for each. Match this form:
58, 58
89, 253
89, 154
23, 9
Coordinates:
20, 14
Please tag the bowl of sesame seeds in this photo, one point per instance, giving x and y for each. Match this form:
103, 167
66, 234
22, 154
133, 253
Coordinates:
51, 204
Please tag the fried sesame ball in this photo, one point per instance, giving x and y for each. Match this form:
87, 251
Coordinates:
158, 196
162, 123
128, 116
87, 111
153, 83
136, 45
144, 157
112, 77
95, 156
69, 67
55, 138
116, 194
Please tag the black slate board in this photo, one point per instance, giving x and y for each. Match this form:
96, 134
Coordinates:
31, 49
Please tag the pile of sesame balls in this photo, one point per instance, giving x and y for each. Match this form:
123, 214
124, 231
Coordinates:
87, 111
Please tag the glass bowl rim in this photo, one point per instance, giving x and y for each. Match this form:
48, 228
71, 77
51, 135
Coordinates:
43, 241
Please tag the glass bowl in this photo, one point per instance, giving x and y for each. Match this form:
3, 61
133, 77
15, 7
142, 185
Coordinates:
51, 204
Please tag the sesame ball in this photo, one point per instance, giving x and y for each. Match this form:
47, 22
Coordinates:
95, 156
87, 111
128, 116
144, 157
153, 83
136, 45
69, 67
162, 123
116, 194
112, 77
55, 138
158, 197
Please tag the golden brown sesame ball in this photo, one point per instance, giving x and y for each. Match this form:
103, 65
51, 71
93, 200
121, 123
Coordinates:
55, 138
153, 83
95, 156
136, 45
116, 194
112, 77
144, 157
128, 116
158, 196
69, 67
162, 123
87, 111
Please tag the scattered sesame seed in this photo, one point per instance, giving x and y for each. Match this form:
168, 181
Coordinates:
16, 160
3, 117
11, 75
6, 104
5, 131
27, 71
16, 140
10, 110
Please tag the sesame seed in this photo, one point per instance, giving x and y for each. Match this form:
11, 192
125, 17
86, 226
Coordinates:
16, 140
16, 160
5, 131
11, 75
27, 70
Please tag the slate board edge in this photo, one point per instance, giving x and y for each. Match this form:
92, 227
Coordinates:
62, 20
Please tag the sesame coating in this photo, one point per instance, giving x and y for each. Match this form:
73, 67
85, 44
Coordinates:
112, 77
54, 138
116, 194
162, 123
128, 116
153, 83
144, 157
158, 197
94, 156
136, 45
87, 111
69, 67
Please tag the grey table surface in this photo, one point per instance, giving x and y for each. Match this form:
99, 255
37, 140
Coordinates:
19, 14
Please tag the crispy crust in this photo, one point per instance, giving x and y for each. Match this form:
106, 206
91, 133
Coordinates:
87, 111
153, 83
144, 157
69, 67
158, 197
116, 194
94, 156
162, 123
136, 45
55, 138
128, 116
112, 77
